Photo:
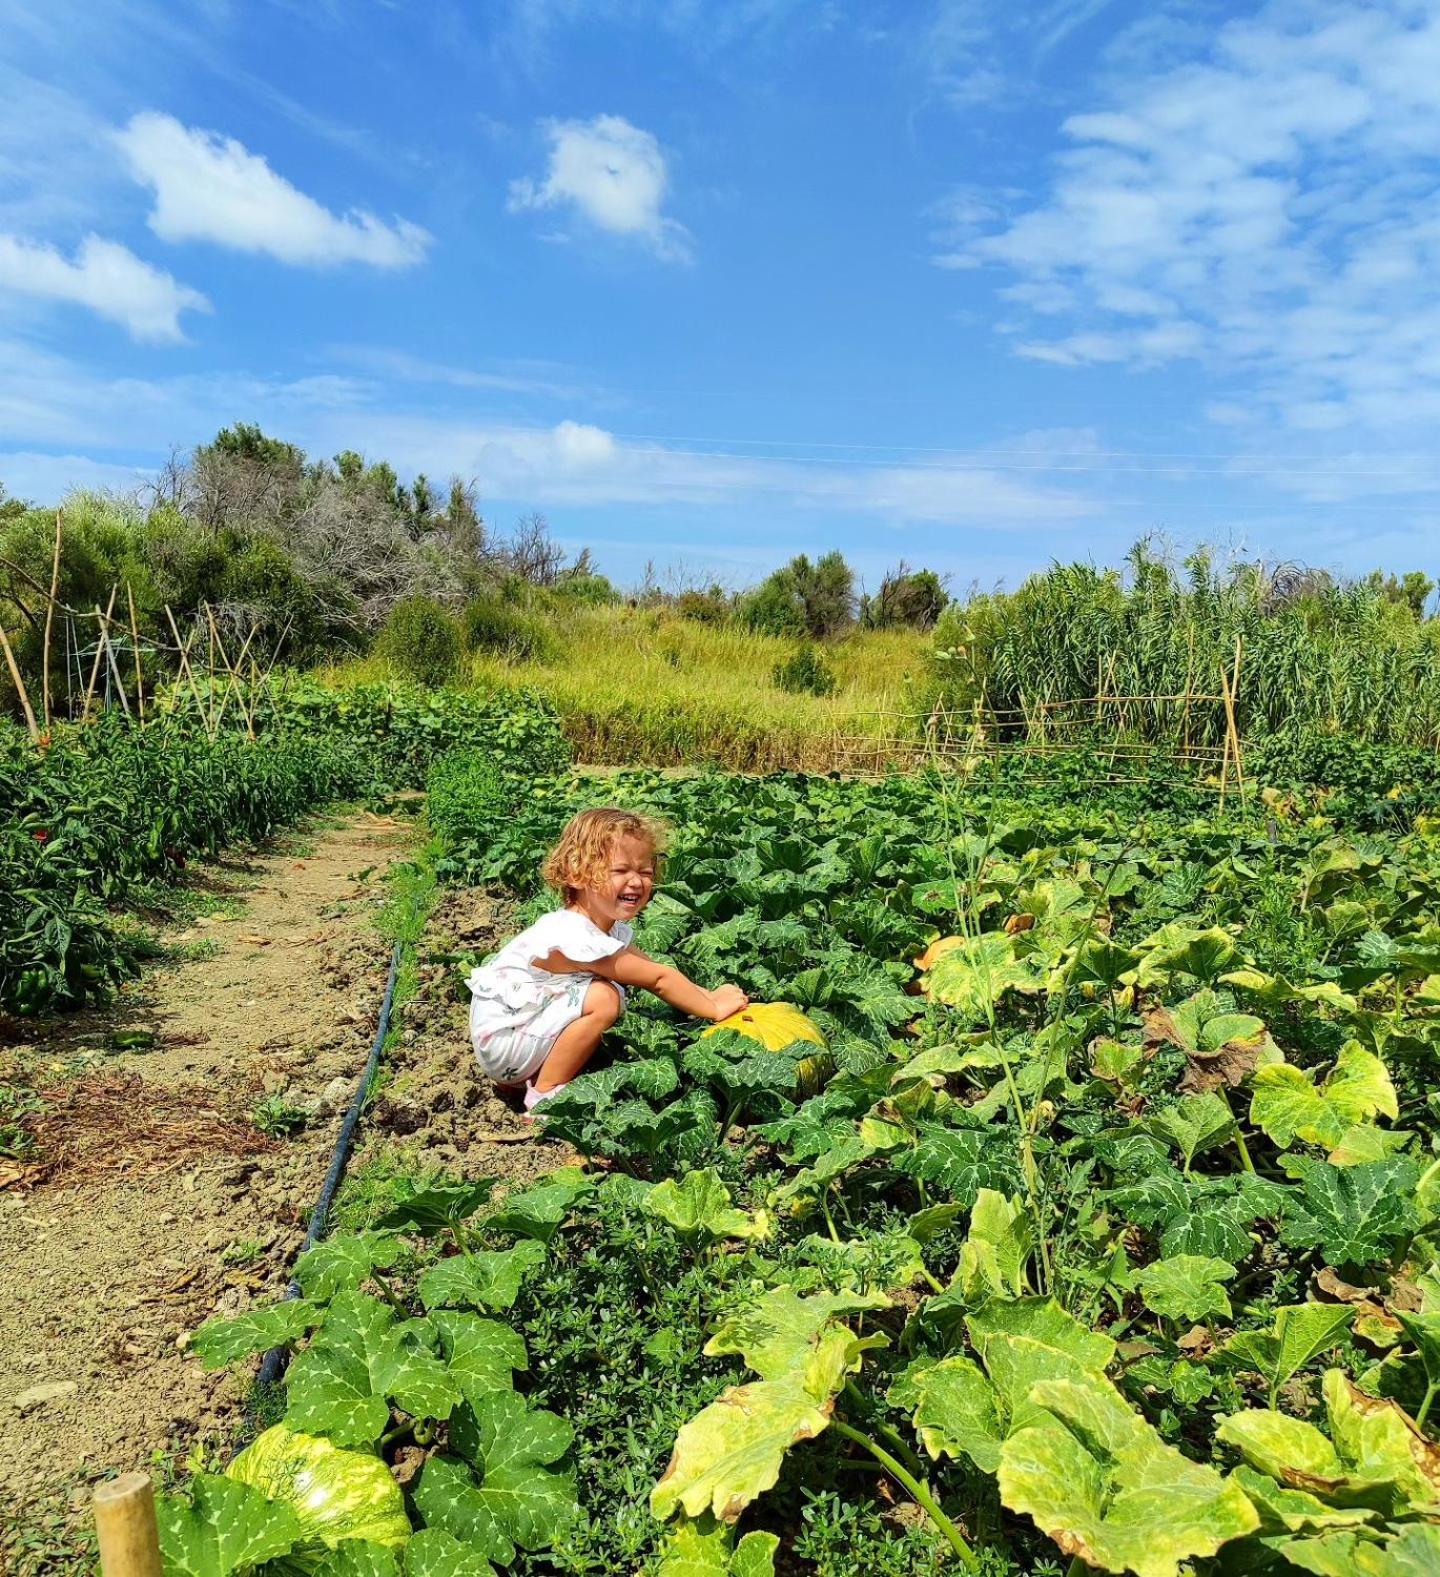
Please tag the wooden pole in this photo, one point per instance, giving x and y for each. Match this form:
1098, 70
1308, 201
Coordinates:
125, 1523
1232, 700
115, 670
101, 619
210, 673
183, 647
20, 689
49, 620
135, 651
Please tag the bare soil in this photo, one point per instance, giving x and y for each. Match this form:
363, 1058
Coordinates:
436, 1113
155, 1202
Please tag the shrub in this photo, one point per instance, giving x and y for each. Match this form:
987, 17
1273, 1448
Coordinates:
816, 599
492, 623
712, 605
907, 600
421, 640
805, 672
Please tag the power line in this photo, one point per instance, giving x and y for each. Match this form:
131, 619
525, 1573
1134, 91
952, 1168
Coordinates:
977, 458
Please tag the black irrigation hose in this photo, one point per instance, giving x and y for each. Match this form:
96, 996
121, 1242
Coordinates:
274, 1360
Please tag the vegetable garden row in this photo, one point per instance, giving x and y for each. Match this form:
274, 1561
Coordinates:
1079, 1211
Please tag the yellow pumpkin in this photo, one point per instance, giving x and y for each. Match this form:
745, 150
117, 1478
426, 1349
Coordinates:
776, 1025
937, 949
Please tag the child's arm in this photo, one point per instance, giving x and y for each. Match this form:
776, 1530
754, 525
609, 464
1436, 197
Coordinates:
633, 969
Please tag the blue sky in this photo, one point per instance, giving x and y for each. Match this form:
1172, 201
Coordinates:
710, 282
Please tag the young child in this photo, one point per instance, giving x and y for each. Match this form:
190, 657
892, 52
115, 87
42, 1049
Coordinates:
541, 1005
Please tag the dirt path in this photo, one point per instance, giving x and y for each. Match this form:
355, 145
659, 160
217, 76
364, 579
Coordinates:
162, 1203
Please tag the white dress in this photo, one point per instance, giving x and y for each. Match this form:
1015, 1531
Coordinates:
517, 1010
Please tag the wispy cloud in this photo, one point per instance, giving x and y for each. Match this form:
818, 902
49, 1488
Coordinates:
105, 277
615, 176
47, 401
212, 188
1265, 208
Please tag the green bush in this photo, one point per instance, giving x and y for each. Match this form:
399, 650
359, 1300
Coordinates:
493, 623
802, 598
712, 605
805, 672
421, 640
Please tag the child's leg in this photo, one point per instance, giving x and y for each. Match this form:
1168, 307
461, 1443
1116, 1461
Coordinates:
580, 1039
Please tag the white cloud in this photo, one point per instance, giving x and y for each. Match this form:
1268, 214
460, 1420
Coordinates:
49, 401
1266, 207
104, 276
615, 175
212, 188
46, 478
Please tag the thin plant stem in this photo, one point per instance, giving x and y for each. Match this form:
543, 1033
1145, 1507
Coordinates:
915, 1489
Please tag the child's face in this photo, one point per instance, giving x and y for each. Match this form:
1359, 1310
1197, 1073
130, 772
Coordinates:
629, 882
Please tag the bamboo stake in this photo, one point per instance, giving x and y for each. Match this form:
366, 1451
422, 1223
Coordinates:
20, 689
235, 684
49, 620
135, 652
210, 672
115, 671
125, 1525
184, 649
1233, 692
100, 620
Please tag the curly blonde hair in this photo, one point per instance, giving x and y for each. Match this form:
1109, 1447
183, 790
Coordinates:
581, 859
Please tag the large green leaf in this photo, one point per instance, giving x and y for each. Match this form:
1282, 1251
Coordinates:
699, 1207
962, 1161
482, 1354
977, 973
486, 1279
218, 1342
996, 1250
432, 1553
1297, 1333
222, 1527
1186, 1287
433, 1209
1287, 1104
1355, 1214
339, 1264
1284, 1510
1196, 1123
500, 1489
1181, 950
779, 1332
342, 1385
1029, 1340
1102, 1483
538, 1211
1414, 1551
707, 1548
1375, 1458
732, 1451
959, 1413
358, 1558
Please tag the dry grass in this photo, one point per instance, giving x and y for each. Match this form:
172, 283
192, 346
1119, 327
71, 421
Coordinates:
637, 686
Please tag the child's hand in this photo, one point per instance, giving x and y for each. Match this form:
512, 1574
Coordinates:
728, 999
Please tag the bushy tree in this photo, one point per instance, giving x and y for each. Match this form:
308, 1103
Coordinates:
815, 600
907, 599
420, 639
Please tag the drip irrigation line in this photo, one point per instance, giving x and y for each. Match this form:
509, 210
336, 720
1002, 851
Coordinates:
273, 1363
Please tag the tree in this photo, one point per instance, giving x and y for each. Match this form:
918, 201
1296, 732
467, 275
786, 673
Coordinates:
802, 598
907, 599
532, 553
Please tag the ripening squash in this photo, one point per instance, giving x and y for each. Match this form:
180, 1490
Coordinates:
776, 1025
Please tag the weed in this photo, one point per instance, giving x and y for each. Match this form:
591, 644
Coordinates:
278, 1118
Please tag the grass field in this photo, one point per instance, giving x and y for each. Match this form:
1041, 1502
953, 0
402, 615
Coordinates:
638, 686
